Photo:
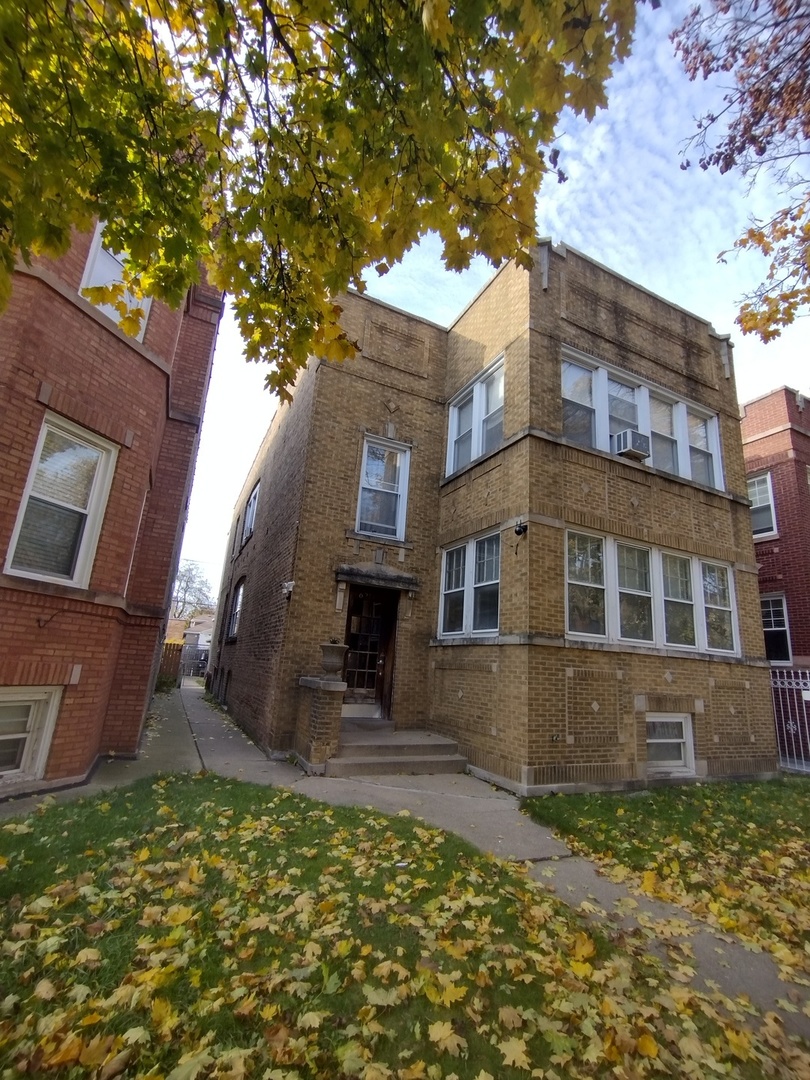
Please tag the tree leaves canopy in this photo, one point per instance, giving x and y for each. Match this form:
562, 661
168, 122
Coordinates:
764, 124
288, 145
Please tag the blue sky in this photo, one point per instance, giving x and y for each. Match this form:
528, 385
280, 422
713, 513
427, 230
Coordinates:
627, 203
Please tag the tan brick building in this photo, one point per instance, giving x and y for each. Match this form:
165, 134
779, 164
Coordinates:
530, 530
98, 437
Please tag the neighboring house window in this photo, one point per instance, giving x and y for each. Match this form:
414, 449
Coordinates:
63, 505
636, 594
476, 420
599, 402
383, 500
763, 517
669, 744
236, 609
775, 625
471, 587
250, 514
27, 718
104, 267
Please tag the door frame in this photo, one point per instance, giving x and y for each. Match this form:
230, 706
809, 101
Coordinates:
389, 597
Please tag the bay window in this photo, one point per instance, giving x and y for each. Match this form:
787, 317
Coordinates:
476, 420
471, 587
635, 594
600, 402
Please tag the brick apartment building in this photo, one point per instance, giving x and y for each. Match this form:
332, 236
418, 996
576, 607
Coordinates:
530, 531
97, 444
776, 446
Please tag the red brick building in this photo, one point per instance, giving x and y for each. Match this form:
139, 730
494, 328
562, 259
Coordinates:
776, 446
98, 438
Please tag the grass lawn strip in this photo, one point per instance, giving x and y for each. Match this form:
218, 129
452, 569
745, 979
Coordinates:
196, 927
735, 855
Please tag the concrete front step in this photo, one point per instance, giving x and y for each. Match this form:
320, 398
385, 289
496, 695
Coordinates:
388, 752
398, 765
391, 744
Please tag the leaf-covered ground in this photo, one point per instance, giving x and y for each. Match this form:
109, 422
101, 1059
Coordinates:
735, 855
197, 927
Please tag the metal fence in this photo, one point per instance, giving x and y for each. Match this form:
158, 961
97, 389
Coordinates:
791, 701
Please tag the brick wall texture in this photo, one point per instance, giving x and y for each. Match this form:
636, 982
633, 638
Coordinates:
528, 705
61, 357
776, 440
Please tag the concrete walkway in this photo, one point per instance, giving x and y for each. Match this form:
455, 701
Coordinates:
186, 734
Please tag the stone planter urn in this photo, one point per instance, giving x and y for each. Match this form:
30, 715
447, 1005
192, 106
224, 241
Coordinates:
332, 655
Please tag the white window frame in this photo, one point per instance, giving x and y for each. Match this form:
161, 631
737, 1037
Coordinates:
235, 609
250, 514
759, 498
404, 452
94, 276
671, 768
601, 376
474, 392
770, 598
468, 589
96, 503
612, 598
44, 701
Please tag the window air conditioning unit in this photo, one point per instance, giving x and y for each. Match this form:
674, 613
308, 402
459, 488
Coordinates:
632, 444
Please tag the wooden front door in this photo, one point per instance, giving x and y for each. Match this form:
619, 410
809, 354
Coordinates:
370, 635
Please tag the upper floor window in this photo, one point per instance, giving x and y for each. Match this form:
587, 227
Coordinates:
471, 587
60, 516
250, 514
383, 499
476, 420
600, 405
639, 595
236, 609
775, 625
763, 517
105, 267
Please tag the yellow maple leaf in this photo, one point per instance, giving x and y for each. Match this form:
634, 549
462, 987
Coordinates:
583, 946
647, 1046
178, 914
442, 1034
514, 1052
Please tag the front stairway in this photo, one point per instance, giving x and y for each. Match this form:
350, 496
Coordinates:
380, 751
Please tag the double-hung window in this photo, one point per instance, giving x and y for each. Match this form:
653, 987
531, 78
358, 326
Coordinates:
476, 420
634, 594
471, 587
236, 609
63, 505
383, 500
27, 718
250, 514
104, 268
775, 625
598, 403
763, 517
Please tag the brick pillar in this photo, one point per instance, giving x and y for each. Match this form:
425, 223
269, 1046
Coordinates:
317, 732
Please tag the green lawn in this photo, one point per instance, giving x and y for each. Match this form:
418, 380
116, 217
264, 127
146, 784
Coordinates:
736, 855
196, 927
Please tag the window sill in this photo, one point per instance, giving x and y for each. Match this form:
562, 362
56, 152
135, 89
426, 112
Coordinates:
759, 537
373, 538
469, 639
46, 579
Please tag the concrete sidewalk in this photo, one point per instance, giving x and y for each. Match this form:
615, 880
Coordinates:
187, 734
